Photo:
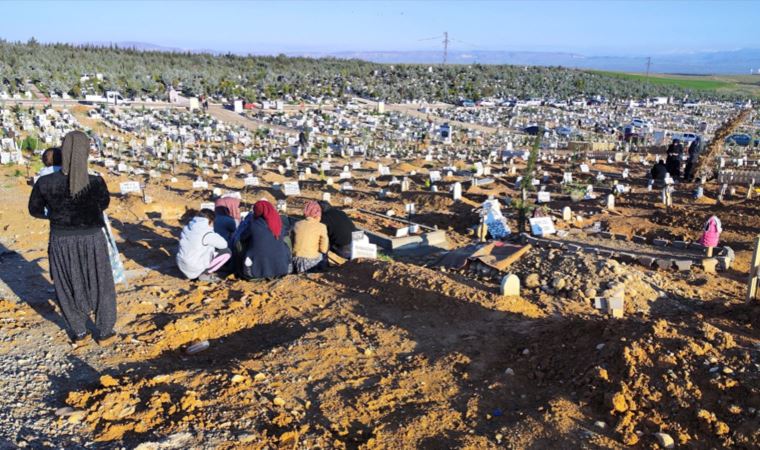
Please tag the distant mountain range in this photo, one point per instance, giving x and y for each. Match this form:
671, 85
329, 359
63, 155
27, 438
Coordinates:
721, 62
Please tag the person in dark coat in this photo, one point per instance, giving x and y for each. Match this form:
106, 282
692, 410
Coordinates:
694, 150
659, 172
339, 229
673, 162
227, 217
78, 250
260, 244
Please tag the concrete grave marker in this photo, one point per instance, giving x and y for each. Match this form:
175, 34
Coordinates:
129, 186
291, 188
510, 286
457, 191
567, 214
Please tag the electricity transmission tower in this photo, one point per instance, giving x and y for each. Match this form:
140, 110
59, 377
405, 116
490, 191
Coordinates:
446, 42
649, 64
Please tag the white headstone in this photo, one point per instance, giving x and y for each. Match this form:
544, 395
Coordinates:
542, 226
291, 188
567, 214
457, 191
510, 285
129, 186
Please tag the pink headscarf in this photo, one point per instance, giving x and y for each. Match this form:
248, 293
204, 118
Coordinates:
231, 207
312, 209
711, 233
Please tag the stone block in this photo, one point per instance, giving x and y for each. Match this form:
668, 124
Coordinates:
605, 253
709, 264
660, 242
626, 257
573, 248
728, 252
605, 234
639, 239
664, 440
646, 261
724, 263
664, 263
620, 237
697, 246
680, 244
683, 265
616, 304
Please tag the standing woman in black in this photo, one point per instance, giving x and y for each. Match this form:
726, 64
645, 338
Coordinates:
79, 262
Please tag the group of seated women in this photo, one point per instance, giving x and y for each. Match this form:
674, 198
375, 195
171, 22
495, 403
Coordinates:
264, 244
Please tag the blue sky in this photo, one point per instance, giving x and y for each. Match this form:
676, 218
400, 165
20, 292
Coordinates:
592, 27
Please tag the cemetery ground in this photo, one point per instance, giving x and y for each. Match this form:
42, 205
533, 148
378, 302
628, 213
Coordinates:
396, 352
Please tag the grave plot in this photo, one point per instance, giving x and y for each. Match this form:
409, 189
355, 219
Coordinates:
397, 234
656, 253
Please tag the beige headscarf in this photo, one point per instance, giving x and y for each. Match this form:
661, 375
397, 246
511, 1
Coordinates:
75, 150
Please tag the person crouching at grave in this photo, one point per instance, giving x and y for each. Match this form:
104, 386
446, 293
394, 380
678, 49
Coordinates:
74, 200
51, 158
339, 229
261, 251
227, 211
310, 241
659, 172
202, 251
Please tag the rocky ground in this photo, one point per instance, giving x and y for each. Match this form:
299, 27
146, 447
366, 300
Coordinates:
386, 353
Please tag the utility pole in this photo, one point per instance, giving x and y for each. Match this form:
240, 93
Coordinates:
445, 46
649, 64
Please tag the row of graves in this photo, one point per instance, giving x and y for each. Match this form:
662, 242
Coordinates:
377, 182
46, 126
173, 125
581, 121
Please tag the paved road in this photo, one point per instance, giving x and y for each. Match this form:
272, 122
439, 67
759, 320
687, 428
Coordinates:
229, 116
412, 110
60, 102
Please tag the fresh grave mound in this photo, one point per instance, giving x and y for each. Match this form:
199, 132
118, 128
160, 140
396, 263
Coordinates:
273, 177
428, 200
572, 282
407, 168
139, 210
418, 287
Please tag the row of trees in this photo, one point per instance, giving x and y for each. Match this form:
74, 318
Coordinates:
57, 68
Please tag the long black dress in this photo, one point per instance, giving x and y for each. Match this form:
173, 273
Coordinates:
78, 253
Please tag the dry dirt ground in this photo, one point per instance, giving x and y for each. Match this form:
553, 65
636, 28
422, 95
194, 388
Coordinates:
383, 354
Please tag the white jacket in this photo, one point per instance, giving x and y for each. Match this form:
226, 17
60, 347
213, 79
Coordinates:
197, 247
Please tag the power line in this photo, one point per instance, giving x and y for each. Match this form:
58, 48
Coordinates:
445, 42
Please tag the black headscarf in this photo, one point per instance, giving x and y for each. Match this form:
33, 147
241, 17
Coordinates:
76, 149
